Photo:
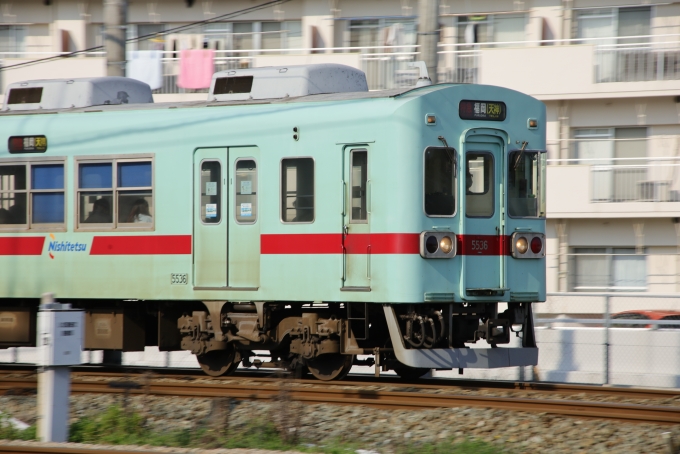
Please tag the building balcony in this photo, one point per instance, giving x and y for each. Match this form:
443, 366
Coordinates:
548, 70
613, 188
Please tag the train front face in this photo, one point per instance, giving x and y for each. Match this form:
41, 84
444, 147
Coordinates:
483, 238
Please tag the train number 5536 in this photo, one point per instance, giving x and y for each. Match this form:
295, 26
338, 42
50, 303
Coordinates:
479, 245
179, 278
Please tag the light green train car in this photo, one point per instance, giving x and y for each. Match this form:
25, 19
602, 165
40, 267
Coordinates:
293, 212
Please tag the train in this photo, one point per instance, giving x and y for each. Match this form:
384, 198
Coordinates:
293, 214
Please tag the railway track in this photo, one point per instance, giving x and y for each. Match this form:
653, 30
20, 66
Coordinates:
406, 396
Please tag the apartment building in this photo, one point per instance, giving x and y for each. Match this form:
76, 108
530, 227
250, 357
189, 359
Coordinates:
608, 71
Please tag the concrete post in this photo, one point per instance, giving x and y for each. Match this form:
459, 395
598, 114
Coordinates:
428, 35
606, 339
59, 338
115, 26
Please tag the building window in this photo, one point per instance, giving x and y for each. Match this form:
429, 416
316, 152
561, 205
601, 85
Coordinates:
499, 28
608, 269
617, 156
151, 42
382, 32
32, 195
613, 23
115, 193
12, 38
297, 190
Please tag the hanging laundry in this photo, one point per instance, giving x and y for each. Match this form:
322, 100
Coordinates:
146, 66
196, 68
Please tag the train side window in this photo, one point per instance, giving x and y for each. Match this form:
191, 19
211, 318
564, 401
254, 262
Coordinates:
440, 186
246, 191
134, 189
479, 196
358, 182
115, 193
211, 192
95, 193
47, 194
13, 193
297, 190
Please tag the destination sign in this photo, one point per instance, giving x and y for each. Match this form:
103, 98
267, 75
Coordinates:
482, 110
27, 144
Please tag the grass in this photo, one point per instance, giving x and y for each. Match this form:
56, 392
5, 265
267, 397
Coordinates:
116, 426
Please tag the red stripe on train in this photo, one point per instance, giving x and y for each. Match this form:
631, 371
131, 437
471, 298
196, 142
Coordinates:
141, 245
22, 246
331, 243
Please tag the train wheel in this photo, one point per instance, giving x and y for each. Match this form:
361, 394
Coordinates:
411, 373
331, 366
219, 362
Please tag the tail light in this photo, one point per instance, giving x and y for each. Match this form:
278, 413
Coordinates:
437, 245
528, 245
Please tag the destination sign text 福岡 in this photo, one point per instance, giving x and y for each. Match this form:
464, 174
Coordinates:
482, 110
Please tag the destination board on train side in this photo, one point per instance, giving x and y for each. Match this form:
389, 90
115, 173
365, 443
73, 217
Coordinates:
482, 110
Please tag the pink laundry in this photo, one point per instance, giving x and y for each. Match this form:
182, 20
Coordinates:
196, 68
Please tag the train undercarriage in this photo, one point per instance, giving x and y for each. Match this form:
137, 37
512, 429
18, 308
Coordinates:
323, 339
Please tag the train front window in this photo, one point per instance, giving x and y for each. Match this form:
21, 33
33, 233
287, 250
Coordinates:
526, 183
440, 187
479, 183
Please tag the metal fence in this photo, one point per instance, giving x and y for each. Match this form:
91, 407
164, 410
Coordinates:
637, 62
610, 338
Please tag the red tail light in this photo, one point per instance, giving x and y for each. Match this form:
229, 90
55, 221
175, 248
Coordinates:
536, 245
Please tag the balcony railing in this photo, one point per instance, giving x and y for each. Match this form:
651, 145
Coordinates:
631, 179
643, 60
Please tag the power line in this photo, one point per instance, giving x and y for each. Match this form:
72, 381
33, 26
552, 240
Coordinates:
150, 35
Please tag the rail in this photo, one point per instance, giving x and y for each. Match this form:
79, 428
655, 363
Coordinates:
363, 393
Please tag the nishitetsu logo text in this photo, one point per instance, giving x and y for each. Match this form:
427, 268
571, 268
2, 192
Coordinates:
64, 246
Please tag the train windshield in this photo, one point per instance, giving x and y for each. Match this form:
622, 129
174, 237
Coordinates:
440, 188
526, 183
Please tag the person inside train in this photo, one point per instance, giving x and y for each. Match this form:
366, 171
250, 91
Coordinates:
5, 217
101, 212
139, 212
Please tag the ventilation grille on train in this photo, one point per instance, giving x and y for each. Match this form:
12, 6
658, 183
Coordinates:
75, 93
285, 81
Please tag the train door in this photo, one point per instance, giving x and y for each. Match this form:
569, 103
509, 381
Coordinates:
356, 244
244, 228
483, 244
210, 226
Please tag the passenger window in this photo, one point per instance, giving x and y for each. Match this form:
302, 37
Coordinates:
246, 191
135, 203
95, 193
47, 194
297, 190
115, 193
440, 188
13, 194
479, 197
211, 193
358, 181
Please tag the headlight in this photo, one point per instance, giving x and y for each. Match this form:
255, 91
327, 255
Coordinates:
437, 245
446, 244
521, 245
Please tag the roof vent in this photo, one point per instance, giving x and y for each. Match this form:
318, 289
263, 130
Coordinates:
74, 93
277, 82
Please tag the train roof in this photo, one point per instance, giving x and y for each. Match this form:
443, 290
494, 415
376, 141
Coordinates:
327, 97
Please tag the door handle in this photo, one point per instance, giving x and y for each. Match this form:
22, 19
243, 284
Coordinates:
345, 229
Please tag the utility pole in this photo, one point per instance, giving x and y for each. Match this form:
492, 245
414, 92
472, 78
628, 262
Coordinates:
115, 27
428, 35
